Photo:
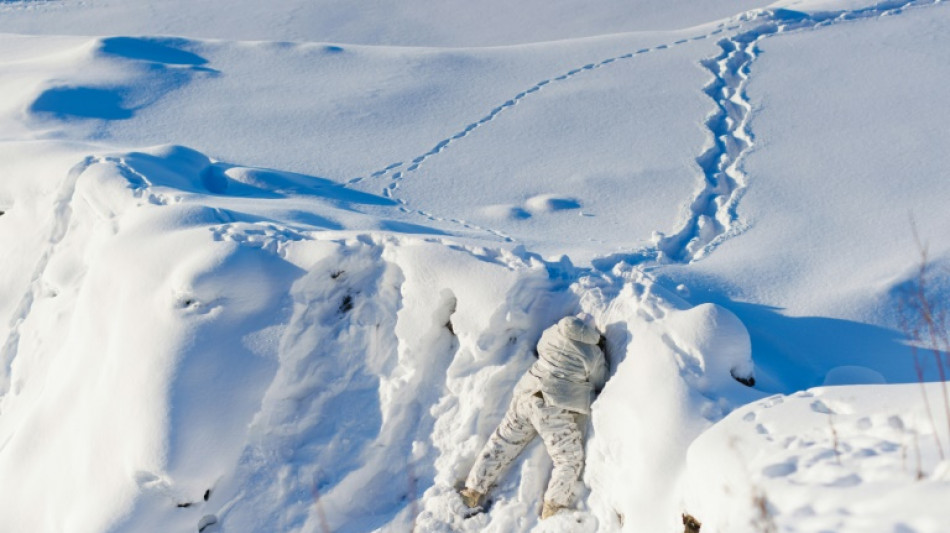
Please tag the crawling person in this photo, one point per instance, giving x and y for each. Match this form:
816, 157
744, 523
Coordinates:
548, 401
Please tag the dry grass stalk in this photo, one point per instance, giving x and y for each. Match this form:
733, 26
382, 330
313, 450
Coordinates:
924, 321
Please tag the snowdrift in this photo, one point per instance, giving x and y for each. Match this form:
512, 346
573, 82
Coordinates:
304, 304
787, 462
258, 371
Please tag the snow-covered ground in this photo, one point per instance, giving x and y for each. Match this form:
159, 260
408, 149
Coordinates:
277, 266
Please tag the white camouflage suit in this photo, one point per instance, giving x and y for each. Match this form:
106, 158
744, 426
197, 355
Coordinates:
548, 401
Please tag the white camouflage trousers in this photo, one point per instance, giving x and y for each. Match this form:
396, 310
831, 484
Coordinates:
527, 417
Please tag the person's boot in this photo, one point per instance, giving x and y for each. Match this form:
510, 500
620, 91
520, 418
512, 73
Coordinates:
470, 497
550, 509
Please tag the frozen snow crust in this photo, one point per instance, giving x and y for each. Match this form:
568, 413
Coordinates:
289, 286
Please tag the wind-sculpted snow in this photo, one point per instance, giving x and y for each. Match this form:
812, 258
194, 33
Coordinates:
167, 68
62, 214
355, 374
158, 67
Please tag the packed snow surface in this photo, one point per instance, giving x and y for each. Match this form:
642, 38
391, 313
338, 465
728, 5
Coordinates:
278, 266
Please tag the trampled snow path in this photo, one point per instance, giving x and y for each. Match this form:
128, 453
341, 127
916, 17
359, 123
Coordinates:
713, 212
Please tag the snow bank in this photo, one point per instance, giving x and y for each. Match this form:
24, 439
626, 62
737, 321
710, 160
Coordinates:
663, 392
828, 459
672, 380
279, 375
313, 318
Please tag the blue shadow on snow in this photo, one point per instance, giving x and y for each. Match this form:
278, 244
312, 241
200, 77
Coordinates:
155, 50
796, 353
66, 103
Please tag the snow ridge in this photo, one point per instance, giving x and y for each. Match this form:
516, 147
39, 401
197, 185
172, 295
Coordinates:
713, 212
62, 215
62, 219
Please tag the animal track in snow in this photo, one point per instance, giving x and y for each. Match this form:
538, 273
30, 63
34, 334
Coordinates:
14, 5
819, 406
772, 401
398, 171
141, 186
713, 212
266, 236
458, 222
783, 469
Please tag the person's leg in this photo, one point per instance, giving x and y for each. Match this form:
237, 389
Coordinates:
507, 441
565, 444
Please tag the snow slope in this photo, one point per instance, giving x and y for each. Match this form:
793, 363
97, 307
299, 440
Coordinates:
260, 285
858, 458
453, 23
848, 152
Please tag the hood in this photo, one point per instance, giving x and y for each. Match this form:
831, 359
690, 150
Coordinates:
575, 329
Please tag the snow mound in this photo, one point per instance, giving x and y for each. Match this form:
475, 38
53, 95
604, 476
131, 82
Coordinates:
541, 204
549, 203
664, 392
286, 365
785, 462
308, 312
113, 78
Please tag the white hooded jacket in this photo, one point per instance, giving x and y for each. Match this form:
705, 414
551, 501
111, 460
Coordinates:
570, 366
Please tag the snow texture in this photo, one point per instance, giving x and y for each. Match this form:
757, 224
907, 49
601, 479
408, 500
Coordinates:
279, 266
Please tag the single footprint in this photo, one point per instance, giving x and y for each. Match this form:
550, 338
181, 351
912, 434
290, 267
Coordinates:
850, 480
787, 468
896, 422
772, 401
819, 406
206, 522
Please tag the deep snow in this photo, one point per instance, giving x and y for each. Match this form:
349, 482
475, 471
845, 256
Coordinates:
260, 285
